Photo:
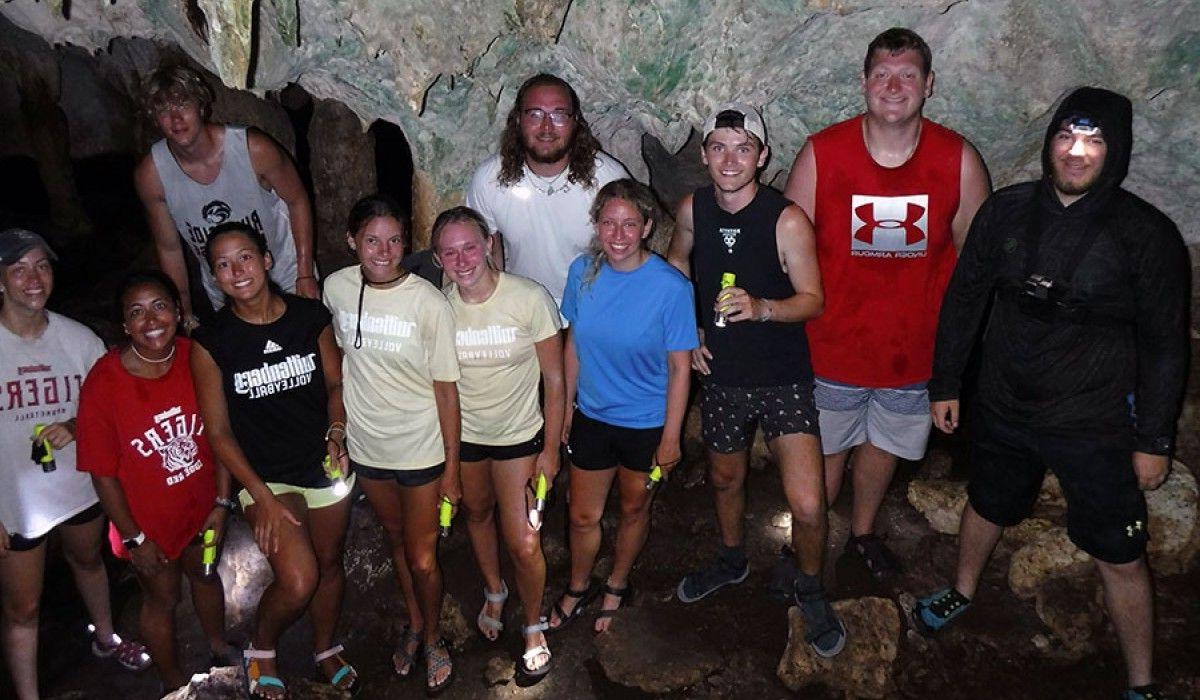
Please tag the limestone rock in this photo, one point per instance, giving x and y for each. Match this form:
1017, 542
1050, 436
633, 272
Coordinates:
218, 684
1048, 555
1026, 531
864, 668
453, 623
635, 653
1072, 608
941, 502
1051, 493
1174, 526
499, 670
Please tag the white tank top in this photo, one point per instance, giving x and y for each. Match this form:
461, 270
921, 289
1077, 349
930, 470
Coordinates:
235, 195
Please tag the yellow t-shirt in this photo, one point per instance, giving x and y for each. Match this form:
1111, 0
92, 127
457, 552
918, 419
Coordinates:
495, 339
407, 344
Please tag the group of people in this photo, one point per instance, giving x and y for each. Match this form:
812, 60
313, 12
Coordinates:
838, 317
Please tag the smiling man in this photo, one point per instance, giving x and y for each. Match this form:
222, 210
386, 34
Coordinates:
537, 191
201, 175
751, 257
1083, 364
891, 195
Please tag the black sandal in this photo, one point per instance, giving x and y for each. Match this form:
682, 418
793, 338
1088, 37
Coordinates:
585, 598
620, 594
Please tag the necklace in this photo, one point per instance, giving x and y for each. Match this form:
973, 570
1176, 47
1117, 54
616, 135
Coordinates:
143, 358
397, 278
548, 183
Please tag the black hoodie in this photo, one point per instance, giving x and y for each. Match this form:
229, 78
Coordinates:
1118, 373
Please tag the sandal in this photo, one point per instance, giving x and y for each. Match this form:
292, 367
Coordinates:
346, 670
486, 621
404, 659
437, 657
128, 653
256, 680
620, 594
585, 597
532, 653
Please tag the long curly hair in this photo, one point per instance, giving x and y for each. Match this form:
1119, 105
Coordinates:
581, 166
642, 199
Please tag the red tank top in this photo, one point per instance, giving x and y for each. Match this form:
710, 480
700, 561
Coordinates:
886, 252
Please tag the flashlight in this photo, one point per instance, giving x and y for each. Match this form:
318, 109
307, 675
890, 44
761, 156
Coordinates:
539, 502
41, 453
209, 556
340, 488
654, 478
445, 514
728, 279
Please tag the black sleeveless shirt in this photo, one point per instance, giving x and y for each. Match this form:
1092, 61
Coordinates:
275, 389
745, 353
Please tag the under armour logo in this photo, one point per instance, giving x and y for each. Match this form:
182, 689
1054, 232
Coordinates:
729, 236
1135, 527
893, 224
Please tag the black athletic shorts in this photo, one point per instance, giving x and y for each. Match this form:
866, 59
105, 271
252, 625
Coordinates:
1106, 511
411, 478
474, 452
595, 445
729, 414
20, 543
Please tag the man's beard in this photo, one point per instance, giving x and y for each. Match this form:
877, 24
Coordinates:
1076, 187
546, 158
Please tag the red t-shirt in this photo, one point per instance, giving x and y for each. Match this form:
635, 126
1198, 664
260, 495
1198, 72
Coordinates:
886, 251
148, 434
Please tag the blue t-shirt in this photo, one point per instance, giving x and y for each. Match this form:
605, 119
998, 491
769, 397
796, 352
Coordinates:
624, 324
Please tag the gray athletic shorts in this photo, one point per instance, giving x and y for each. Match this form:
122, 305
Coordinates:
894, 420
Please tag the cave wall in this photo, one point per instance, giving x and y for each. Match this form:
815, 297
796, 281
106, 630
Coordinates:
446, 72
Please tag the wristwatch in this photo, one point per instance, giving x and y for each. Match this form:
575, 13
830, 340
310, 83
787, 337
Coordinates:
135, 541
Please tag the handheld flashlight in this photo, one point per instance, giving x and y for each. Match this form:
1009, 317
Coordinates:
42, 453
340, 488
445, 514
209, 556
539, 502
728, 279
655, 477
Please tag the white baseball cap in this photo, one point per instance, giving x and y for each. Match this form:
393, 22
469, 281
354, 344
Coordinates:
751, 120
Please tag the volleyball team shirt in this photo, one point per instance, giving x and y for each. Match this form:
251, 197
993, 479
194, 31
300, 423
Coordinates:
274, 386
153, 444
387, 383
495, 341
885, 245
40, 381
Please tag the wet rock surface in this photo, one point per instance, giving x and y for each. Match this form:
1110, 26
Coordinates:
864, 667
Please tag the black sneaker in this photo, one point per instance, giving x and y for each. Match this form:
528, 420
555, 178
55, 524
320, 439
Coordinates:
878, 559
823, 629
782, 579
1144, 692
719, 574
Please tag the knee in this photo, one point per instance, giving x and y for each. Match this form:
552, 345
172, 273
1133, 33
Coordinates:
635, 509
525, 550
726, 479
1129, 571
479, 510
809, 510
422, 564
22, 612
331, 566
87, 561
585, 518
297, 584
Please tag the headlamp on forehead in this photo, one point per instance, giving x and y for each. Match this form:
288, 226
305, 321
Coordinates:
1083, 126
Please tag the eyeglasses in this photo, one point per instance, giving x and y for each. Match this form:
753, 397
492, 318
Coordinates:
537, 115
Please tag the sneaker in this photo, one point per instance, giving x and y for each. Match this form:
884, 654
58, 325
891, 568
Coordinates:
1144, 692
823, 629
935, 611
782, 579
879, 560
721, 573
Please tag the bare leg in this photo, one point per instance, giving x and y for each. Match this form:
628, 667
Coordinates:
208, 598
1129, 597
327, 528
835, 472
21, 575
589, 491
729, 479
479, 501
295, 569
977, 538
872, 473
81, 548
803, 473
419, 507
631, 535
524, 544
384, 497
156, 622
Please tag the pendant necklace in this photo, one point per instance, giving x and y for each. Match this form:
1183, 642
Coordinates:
550, 184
